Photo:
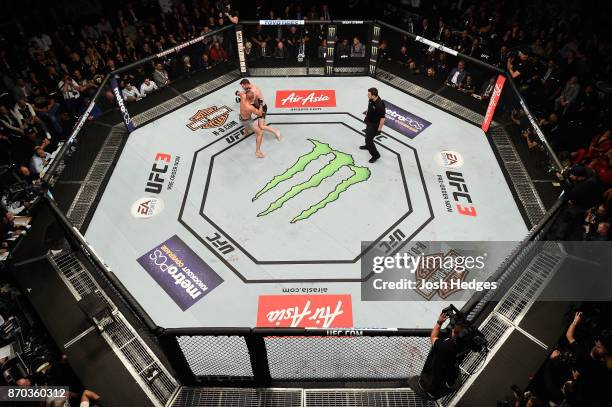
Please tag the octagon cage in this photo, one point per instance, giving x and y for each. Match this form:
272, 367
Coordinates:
245, 356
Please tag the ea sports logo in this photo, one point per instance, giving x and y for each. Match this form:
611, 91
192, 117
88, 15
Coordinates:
147, 207
449, 159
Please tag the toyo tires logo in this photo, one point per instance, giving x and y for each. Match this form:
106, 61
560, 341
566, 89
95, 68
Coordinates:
339, 161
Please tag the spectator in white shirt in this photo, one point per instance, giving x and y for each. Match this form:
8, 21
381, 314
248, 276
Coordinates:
39, 160
43, 41
147, 87
131, 93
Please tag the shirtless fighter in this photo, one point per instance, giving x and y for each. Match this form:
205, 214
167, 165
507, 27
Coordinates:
259, 101
248, 115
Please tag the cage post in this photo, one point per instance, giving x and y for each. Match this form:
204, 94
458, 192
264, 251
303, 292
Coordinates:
241, 57
259, 358
375, 34
331, 46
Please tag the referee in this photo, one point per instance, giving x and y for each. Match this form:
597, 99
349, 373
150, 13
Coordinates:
374, 120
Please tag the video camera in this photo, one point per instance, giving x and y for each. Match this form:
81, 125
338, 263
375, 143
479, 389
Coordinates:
469, 336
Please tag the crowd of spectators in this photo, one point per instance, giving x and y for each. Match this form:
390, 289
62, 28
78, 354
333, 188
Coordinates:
28, 356
48, 76
560, 57
578, 372
301, 42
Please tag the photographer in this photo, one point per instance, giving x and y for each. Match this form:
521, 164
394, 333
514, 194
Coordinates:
441, 370
70, 91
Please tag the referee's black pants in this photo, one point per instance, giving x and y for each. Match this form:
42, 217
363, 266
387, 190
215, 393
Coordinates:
370, 133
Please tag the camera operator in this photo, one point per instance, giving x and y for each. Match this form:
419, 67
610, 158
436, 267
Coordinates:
442, 364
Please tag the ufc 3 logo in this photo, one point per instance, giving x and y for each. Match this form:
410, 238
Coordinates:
156, 176
461, 195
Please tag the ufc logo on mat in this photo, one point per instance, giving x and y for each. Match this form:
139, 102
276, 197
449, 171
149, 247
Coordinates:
340, 160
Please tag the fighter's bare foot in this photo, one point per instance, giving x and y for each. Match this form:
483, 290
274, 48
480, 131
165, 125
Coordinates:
259, 154
277, 134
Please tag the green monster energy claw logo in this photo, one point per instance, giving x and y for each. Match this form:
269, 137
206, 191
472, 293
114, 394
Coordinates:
340, 160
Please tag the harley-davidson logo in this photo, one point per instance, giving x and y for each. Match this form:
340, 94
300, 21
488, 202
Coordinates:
439, 272
209, 118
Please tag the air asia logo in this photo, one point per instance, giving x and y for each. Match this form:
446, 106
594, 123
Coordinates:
305, 99
404, 122
306, 311
339, 161
147, 207
441, 268
209, 118
184, 276
449, 159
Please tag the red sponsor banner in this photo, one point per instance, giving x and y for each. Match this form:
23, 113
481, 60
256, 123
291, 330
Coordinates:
291, 99
497, 90
305, 311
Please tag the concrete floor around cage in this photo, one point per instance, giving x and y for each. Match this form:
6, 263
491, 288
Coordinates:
203, 233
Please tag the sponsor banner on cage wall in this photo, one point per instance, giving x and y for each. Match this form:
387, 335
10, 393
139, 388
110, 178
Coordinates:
404, 122
281, 22
180, 272
305, 99
305, 311
493, 101
125, 115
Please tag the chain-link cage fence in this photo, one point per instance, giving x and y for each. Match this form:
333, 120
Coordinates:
279, 355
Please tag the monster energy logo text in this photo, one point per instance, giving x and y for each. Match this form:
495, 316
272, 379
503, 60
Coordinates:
340, 160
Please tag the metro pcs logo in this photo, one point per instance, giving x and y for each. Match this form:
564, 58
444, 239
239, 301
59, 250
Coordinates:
406, 123
288, 99
312, 311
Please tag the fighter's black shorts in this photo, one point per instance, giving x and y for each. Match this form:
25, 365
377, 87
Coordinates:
264, 108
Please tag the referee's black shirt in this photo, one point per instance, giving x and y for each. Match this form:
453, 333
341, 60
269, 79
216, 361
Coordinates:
376, 111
